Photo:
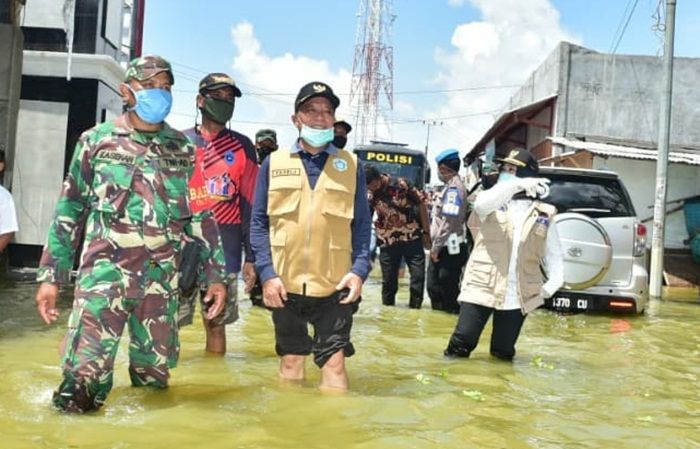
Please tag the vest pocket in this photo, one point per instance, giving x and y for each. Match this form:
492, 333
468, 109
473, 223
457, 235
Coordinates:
278, 243
339, 257
282, 201
339, 202
112, 186
481, 274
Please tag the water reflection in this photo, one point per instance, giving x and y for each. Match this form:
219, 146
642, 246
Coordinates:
585, 381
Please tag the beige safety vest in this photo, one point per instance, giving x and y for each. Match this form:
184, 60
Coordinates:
310, 234
486, 275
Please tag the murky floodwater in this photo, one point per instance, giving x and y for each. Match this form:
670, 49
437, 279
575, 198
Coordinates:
578, 381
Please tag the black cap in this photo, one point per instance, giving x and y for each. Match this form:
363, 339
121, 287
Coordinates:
316, 89
523, 159
344, 124
215, 81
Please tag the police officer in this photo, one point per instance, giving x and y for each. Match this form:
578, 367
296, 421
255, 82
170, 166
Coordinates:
449, 251
126, 188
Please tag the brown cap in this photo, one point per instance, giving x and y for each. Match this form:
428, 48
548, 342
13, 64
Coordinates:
215, 81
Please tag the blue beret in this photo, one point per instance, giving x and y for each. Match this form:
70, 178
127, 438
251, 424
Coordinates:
447, 155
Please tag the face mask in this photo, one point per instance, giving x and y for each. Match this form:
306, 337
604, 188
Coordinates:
220, 111
152, 105
316, 137
506, 176
340, 142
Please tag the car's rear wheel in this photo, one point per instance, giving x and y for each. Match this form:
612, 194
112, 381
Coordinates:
587, 250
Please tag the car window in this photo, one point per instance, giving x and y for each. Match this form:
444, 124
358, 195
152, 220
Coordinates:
595, 197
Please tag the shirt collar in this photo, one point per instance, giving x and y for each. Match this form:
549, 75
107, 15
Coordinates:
330, 148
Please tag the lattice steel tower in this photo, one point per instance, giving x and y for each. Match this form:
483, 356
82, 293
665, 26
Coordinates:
372, 69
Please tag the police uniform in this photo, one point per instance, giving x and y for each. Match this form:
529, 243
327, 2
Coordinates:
447, 232
127, 190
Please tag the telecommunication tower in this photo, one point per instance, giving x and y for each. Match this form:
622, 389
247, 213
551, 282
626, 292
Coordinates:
372, 69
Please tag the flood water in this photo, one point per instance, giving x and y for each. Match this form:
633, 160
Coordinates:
578, 381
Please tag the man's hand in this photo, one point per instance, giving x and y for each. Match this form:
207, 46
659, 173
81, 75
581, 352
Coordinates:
354, 283
249, 276
435, 256
216, 295
427, 242
46, 296
274, 293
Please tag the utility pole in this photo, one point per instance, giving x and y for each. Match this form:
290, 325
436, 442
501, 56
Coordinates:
657, 239
429, 123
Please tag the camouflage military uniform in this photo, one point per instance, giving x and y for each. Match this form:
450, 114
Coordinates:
128, 190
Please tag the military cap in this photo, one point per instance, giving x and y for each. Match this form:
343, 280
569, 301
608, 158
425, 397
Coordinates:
344, 124
316, 89
145, 67
447, 155
518, 157
215, 81
523, 159
265, 134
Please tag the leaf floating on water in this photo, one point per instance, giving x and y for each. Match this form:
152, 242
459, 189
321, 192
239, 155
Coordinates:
540, 363
473, 394
645, 418
443, 372
423, 379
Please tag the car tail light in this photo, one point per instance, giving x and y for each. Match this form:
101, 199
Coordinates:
621, 304
640, 239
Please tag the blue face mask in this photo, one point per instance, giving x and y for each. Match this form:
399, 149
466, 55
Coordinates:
316, 137
152, 105
506, 176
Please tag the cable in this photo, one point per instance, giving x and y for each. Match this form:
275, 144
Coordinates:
624, 28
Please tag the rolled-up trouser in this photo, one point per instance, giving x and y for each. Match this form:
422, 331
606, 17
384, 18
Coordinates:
331, 321
189, 299
471, 322
94, 330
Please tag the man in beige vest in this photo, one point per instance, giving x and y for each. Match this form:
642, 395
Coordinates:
310, 234
514, 234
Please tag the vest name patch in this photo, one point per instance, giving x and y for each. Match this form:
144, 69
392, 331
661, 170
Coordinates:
285, 172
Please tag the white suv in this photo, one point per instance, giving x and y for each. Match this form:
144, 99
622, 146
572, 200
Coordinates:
603, 242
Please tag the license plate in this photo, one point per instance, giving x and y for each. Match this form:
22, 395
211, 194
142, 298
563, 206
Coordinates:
566, 303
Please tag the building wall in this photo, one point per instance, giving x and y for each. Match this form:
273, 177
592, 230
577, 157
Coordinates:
639, 177
618, 96
543, 82
10, 76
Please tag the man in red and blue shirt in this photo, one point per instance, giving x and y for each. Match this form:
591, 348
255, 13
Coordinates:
223, 182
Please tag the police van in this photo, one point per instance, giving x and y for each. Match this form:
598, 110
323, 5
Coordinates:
397, 160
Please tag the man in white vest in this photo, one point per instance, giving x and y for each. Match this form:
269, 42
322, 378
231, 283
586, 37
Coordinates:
310, 234
514, 235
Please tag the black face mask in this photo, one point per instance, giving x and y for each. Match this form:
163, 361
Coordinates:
340, 141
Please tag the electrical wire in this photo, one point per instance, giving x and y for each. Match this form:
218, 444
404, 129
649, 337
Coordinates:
624, 28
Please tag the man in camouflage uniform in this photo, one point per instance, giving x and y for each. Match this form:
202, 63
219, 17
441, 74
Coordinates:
449, 250
126, 187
